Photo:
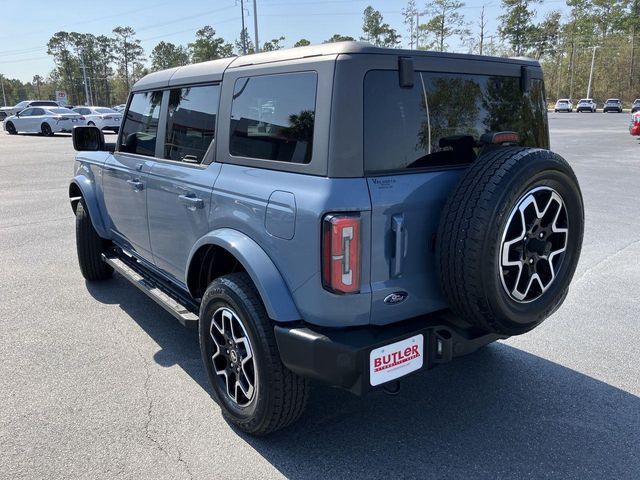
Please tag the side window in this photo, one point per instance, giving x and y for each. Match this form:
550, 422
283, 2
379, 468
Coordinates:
140, 128
191, 122
272, 117
37, 111
26, 112
84, 111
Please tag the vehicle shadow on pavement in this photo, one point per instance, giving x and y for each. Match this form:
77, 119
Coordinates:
179, 345
500, 412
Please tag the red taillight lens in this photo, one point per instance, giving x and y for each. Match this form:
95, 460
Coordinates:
506, 137
341, 253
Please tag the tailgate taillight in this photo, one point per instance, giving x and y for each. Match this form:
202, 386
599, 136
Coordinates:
341, 253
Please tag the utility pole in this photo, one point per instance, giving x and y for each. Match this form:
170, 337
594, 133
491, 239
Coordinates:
244, 37
84, 77
255, 25
483, 25
4, 97
593, 61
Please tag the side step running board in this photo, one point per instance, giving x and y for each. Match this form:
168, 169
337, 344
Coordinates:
152, 288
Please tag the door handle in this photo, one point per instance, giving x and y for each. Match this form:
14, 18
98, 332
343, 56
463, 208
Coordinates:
397, 225
191, 201
135, 184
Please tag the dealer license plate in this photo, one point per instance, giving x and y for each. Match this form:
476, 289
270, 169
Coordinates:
396, 360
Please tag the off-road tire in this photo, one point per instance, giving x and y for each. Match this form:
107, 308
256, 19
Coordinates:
90, 247
470, 237
280, 395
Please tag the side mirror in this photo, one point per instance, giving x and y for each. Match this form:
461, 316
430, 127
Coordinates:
88, 139
18, 114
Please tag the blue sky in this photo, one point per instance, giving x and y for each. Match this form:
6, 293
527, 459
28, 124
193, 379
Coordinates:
27, 25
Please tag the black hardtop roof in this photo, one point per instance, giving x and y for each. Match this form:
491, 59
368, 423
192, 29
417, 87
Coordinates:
213, 70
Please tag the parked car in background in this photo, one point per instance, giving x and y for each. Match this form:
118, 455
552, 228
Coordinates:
586, 105
635, 107
563, 105
634, 127
120, 108
102, 117
612, 105
7, 111
46, 121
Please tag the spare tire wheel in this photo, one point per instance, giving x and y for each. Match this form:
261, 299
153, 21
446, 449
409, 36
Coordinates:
509, 239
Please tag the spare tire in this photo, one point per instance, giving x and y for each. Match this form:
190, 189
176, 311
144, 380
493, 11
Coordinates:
509, 239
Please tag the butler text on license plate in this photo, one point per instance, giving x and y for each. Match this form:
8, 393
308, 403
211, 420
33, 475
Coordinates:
396, 359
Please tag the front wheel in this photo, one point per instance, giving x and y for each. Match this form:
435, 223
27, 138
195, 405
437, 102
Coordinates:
90, 247
255, 391
11, 129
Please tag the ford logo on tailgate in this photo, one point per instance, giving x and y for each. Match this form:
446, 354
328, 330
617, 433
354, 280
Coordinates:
396, 297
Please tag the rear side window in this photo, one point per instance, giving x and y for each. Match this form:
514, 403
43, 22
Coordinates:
191, 122
272, 117
438, 121
140, 128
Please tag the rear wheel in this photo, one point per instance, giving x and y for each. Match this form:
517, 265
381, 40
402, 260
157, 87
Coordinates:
11, 129
91, 124
509, 239
255, 391
45, 129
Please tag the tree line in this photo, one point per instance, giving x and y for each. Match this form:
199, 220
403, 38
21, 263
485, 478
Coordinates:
564, 44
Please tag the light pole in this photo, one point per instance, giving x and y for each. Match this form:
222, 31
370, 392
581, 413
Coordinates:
255, 25
593, 61
4, 97
418, 26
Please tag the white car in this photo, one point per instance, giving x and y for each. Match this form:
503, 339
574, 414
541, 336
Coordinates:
120, 108
44, 120
563, 105
18, 107
102, 117
587, 105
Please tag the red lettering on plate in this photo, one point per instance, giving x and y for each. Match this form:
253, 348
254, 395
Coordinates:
395, 359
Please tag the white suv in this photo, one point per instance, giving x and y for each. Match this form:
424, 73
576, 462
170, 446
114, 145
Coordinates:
563, 105
586, 105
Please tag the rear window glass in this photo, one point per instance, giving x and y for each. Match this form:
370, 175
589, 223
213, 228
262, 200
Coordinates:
191, 122
61, 110
438, 121
105, 110
44, 104
272, 117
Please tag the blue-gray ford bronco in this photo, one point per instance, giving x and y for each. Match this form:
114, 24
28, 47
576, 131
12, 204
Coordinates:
342, 213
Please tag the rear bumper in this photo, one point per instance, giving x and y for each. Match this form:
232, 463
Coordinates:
341, 357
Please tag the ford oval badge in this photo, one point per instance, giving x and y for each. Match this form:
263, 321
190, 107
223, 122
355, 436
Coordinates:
395, 298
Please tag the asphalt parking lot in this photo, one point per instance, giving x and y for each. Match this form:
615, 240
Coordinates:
96, 381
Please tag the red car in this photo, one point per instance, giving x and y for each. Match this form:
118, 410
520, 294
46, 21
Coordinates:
634, 127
